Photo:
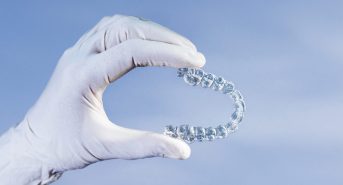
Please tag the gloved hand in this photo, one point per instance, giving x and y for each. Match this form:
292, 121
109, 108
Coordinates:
68, 128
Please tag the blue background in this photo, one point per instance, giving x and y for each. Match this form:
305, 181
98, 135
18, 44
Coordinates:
285, 56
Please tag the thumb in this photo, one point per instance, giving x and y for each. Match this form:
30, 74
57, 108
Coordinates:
124, 143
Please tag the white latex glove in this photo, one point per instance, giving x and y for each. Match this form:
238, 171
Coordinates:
68, 128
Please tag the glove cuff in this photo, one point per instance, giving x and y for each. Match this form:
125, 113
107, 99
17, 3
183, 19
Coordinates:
19, 163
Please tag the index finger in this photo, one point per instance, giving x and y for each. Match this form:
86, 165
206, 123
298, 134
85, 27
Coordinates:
129, 27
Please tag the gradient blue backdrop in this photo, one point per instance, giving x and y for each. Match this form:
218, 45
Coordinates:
286, 57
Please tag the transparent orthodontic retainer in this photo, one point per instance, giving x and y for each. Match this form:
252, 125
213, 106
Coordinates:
190, 134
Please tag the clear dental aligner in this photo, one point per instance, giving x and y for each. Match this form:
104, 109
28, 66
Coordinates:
190, 133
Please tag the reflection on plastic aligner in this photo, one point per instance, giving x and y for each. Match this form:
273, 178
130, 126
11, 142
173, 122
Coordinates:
190, 133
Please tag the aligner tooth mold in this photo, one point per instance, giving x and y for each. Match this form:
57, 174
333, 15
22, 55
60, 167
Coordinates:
188, 133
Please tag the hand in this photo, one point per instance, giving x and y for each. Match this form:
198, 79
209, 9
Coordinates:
68, 128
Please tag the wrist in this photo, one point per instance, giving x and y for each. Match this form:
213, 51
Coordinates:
20, 162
